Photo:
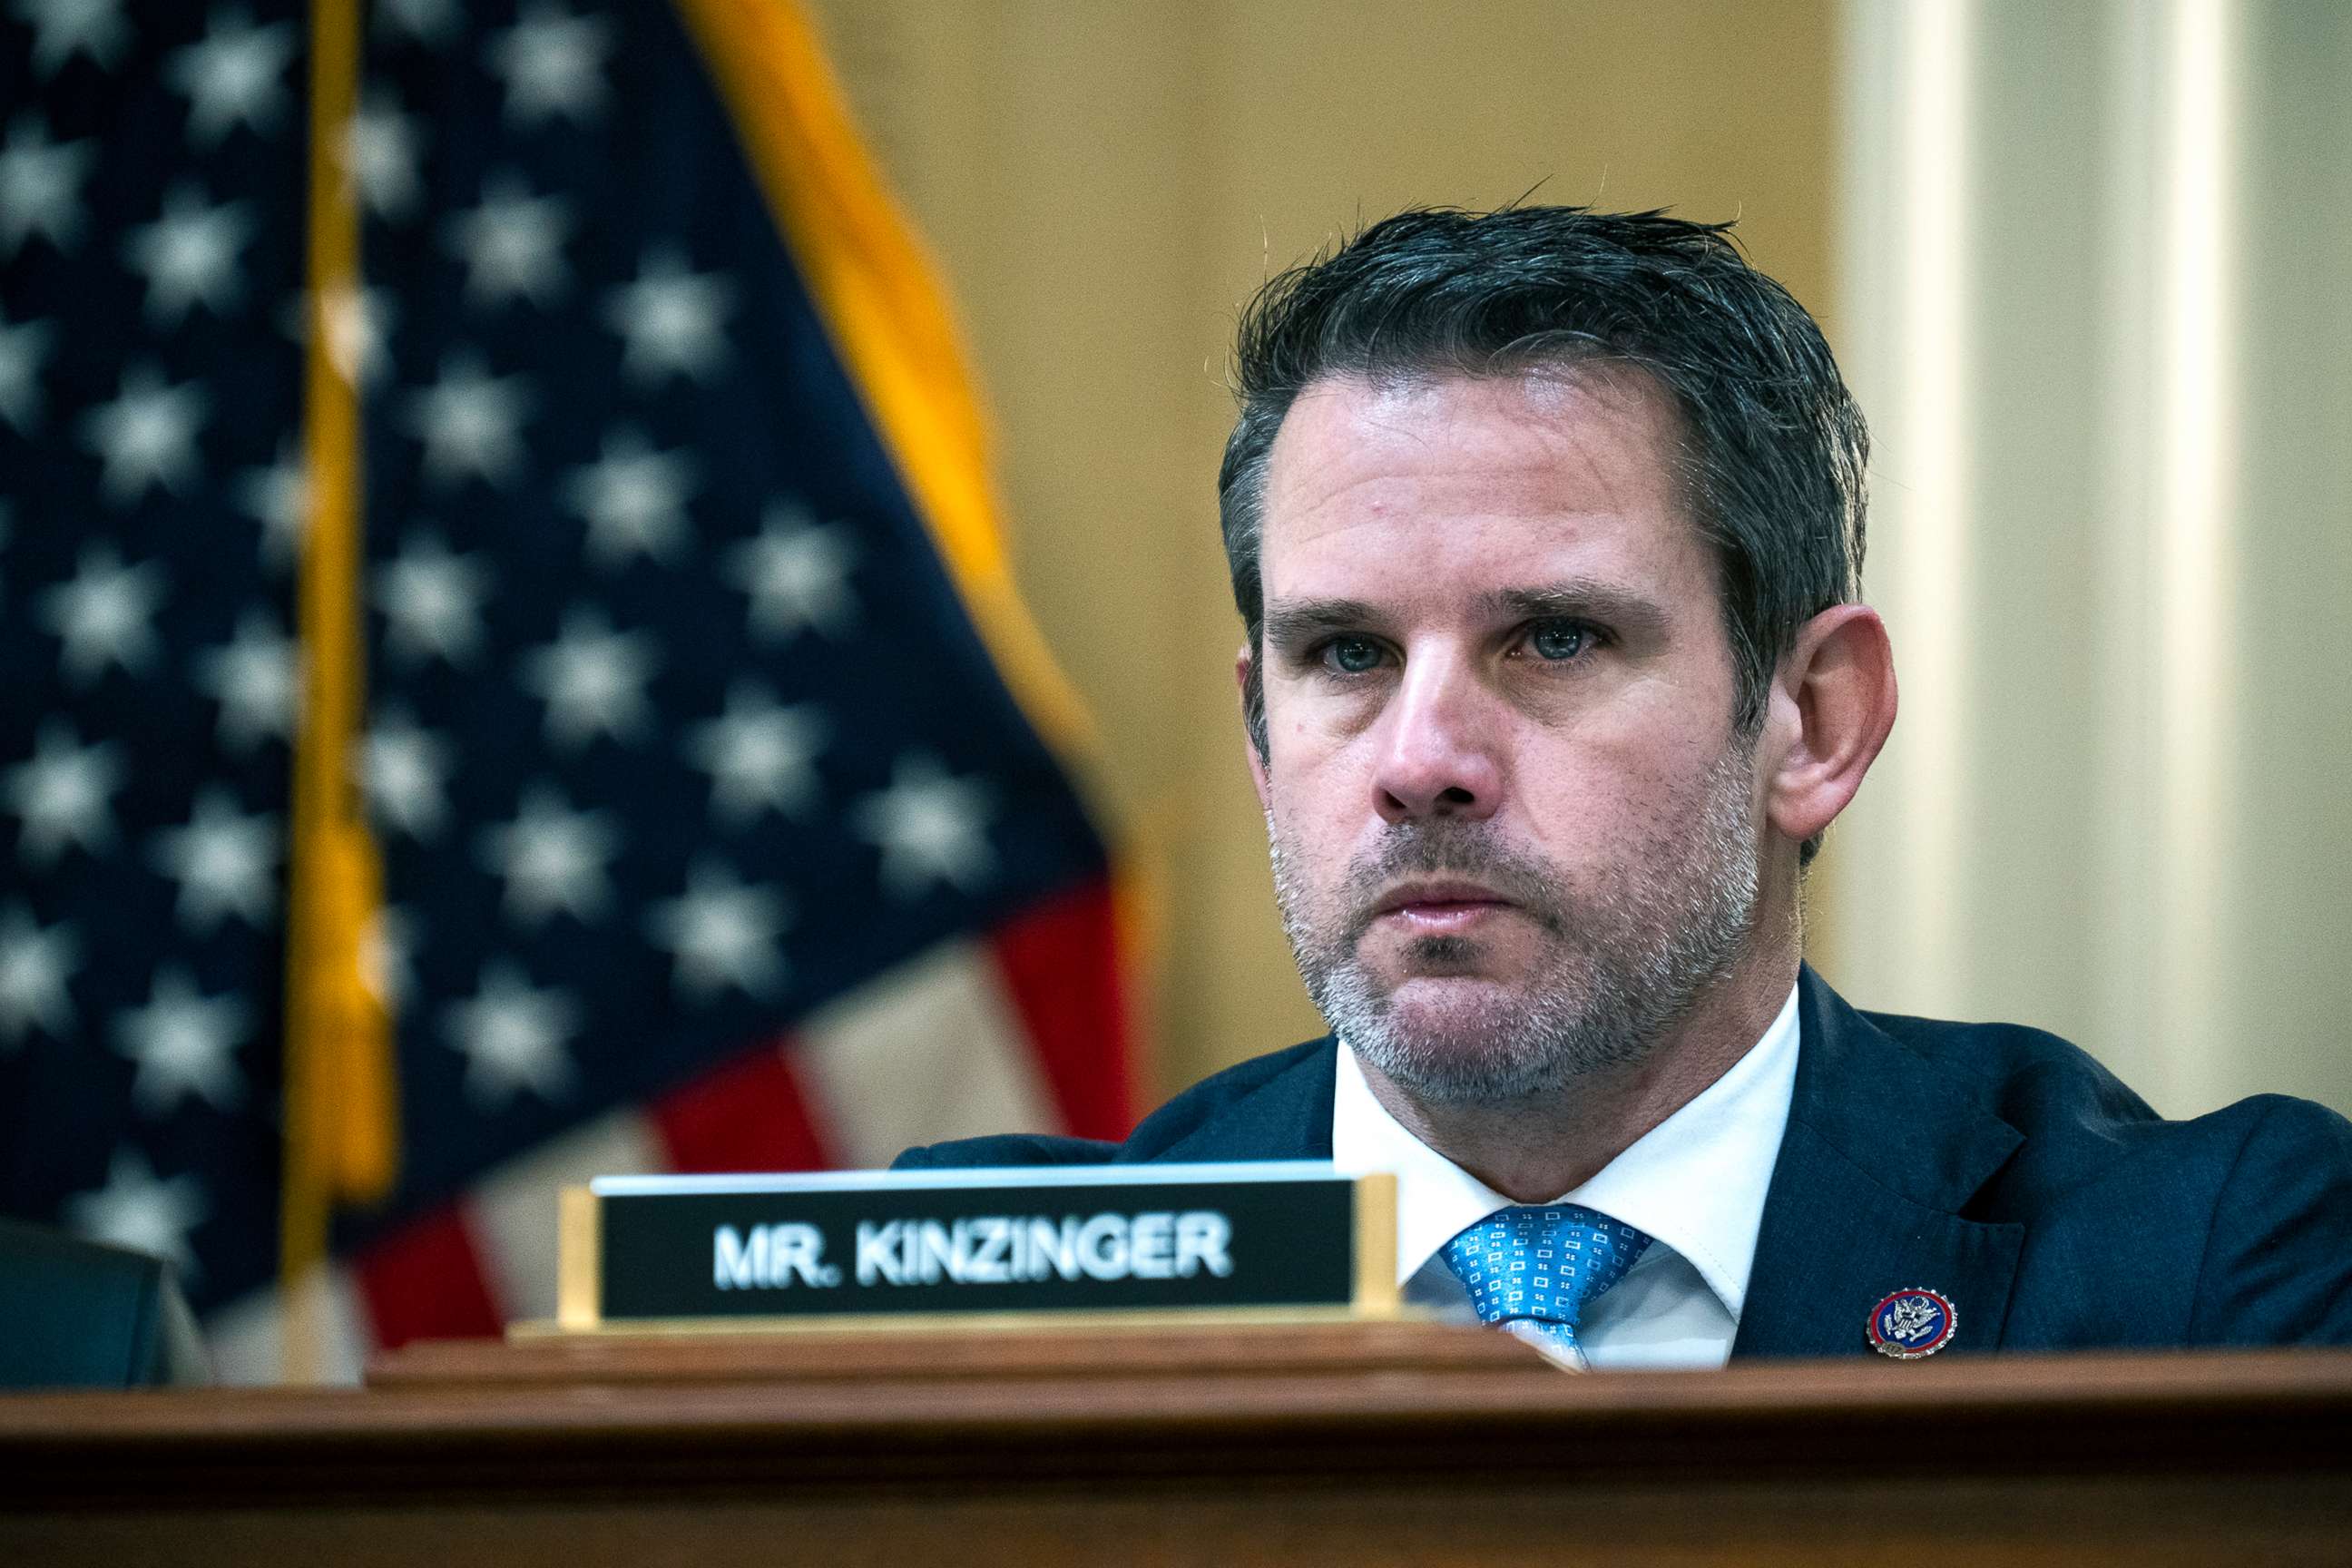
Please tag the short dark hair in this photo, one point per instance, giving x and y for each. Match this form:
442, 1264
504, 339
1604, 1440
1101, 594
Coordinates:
1776, 449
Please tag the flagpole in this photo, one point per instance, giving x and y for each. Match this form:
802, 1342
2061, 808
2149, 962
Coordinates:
340, 1142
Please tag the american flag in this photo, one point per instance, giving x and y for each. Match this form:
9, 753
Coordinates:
714, 837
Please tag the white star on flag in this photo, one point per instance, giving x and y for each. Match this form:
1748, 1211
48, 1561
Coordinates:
104, 617
797, 574
188, 255
382, 149
426, 21
257, 678
185, 1044
513, 1036
405, 771
62, 794
225, 861
23, 349
233, 76
277, 497
723, 935
64, 29
552, 63
931, 828
471, 423
593, 680
386, 952
137, 1211
553, 858
634, 501
760, 757
512, 244
147, 435
669, 320
40, 186
356, 324
36, 962
431, 602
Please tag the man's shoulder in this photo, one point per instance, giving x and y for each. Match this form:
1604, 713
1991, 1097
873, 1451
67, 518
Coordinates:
2246, 1211
2073, 1113
2056, 1188
1191, 1126
2036, 1081
2079, 1119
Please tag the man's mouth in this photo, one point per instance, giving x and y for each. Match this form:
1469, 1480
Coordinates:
1436, 909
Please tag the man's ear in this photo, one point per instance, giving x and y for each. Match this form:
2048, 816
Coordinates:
1243, 668
1832, 706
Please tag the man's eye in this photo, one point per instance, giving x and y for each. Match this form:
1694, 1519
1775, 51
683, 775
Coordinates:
1558, 640
1351, 655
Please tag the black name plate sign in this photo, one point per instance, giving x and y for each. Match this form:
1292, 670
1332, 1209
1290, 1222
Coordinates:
642, 1251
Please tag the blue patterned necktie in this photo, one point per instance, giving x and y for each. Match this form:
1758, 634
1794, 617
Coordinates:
1533, 1270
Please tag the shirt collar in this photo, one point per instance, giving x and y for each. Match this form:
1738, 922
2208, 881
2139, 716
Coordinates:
1695, 1182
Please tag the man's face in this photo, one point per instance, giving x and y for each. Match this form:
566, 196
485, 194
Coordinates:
1514, 833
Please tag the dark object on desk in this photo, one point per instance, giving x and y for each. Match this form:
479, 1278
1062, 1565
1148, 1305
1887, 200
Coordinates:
77, 1314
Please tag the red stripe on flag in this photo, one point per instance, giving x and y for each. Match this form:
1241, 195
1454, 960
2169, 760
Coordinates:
1060, 962
748, 1115
426, 1281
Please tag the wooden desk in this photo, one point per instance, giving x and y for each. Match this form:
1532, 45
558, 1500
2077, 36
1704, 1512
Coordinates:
1361, 1445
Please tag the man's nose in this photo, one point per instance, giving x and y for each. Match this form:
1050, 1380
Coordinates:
1437, 746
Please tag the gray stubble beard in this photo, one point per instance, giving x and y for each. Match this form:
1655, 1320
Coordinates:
1629, 960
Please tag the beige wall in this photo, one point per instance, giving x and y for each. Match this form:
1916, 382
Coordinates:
2094, 263
1105, 180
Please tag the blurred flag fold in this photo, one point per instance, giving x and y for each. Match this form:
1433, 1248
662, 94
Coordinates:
719, 783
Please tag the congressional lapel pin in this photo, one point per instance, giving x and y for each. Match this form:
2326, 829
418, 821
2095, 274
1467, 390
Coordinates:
1912, 1323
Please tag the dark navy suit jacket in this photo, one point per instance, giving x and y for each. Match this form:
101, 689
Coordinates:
1997, 1165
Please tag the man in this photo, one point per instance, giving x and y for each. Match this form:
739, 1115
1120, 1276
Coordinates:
1546, 529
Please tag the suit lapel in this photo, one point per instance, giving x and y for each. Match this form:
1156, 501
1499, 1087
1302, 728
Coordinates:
1882, 1153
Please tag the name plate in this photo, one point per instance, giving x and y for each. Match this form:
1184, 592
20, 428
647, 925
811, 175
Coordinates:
641, 1252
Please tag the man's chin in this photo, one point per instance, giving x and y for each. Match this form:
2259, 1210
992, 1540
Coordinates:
1470, 1038
1440, 997
1455, 1069
1448, 1016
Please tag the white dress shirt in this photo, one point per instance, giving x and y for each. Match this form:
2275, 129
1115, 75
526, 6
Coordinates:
1695, 1183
